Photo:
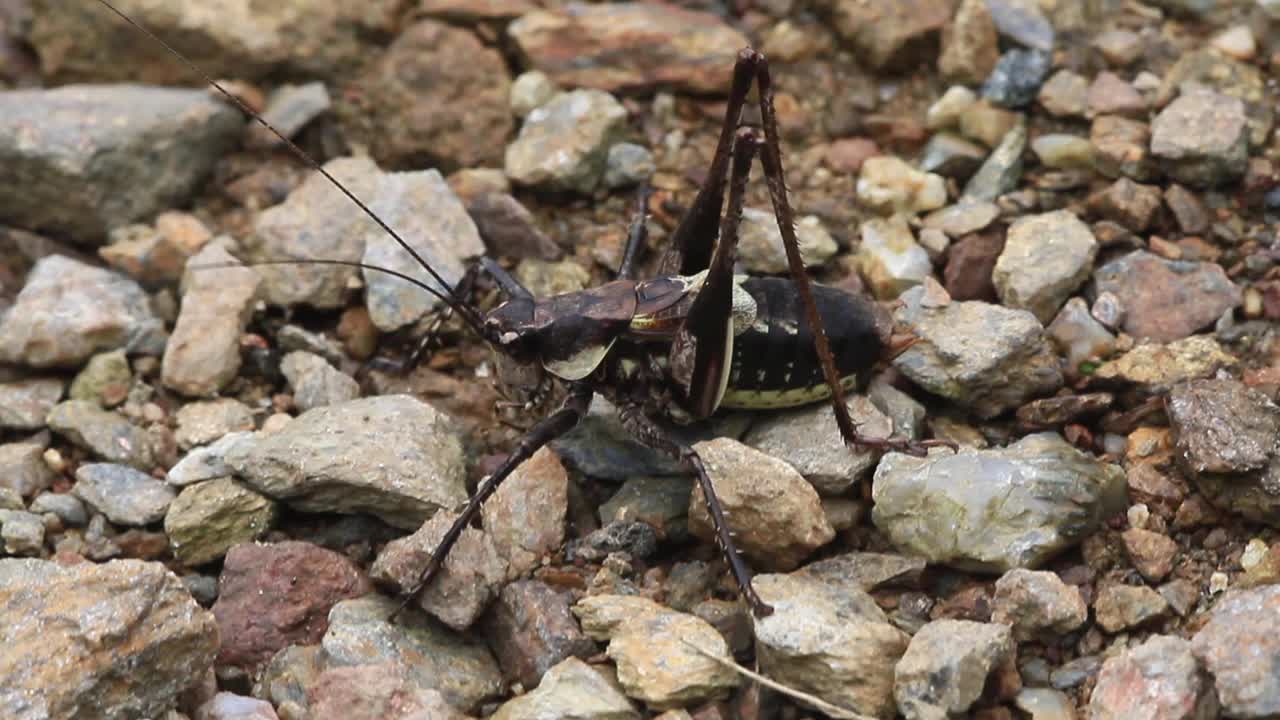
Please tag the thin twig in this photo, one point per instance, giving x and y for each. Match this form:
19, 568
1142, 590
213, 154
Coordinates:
818, 703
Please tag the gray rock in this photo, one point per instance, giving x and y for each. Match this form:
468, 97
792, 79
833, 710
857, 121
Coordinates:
1034, 603
525, 517
24, 404
1046, 258
1202, 139
809, 441
995, 510
1158, 678
425, 212
434, 657
1079, 337
760, 247
906, 414
1124, 607
867, 571
22, 533
1065, 94
571, 689
890, 259
531, 629
946, 666
564, 144
982, 356
887, 185
392, 456
289, 109
659, 502
105, 380
1017, 77
203, 355
952, 156
211, 420
775, 515
1002, 169
292, 338
1240, 648
124, 495
829, 640
106, 434
230, 706
1023, 22
289, 674
531, 90
628, 164
1208, 67
661, 655
636, 539
315, 382
23, 469
1041, 703
508, 228
208, 518
68, 311
126, 634
66, 506
66, 154
1166, 299
963, 218
471, 577
205, 463
1228, 441
1063, 152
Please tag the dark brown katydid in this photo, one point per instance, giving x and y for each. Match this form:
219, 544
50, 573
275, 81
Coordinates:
683, 345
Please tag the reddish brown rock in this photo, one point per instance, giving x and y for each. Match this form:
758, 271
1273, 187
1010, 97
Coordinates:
531, 630
1111, 95
271, 596
1120, 147
1128, 203
969, 265
629, 46
1167, 300
1151, 553
407, 106
375, 692
846, 155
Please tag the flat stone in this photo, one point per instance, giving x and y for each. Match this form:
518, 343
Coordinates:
1023, 22
532, 630
203, 422
570, 689
404, 106
471, 577
69, 311
563, 145
775, 515
995, 510
24, 404
124, 495
760, 246
946, 666
1158, 367
315, 382
1158, 678
1037, 604
1167, 299
629, 47
392, 456
1002, 169
432, 656
525, 518
209, 518
1239, 647
66, 152
809, 441
651, 647
982, 356
96, 619
206, 462
203, 355
828, 639
304, 582
1207, 67
1046, 258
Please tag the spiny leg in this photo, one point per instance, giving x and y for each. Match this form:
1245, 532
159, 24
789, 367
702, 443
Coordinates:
695, 236
548, 429
771, 159
652, 435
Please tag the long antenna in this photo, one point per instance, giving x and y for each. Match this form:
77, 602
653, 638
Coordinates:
308, 261
452, 300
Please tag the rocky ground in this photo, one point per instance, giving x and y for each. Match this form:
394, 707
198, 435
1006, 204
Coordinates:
213, 482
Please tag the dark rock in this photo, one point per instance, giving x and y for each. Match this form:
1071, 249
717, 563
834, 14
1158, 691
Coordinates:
1017, 78
970, 262
532, 630
637, 539
508, 229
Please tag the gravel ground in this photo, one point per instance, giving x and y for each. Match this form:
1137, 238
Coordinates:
213, 483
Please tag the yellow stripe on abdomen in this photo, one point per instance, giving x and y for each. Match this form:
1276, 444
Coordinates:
736, 399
